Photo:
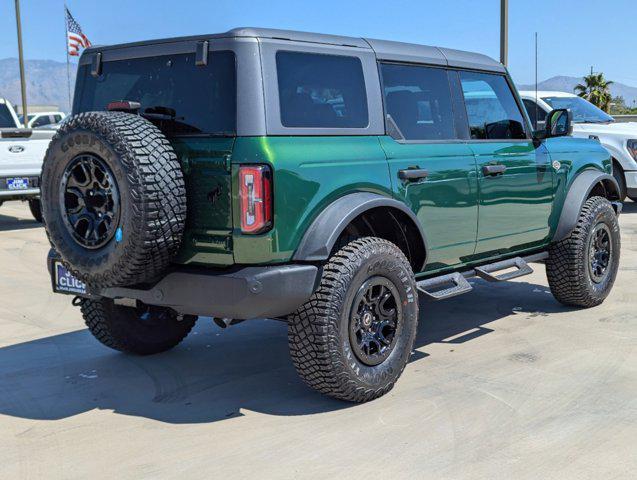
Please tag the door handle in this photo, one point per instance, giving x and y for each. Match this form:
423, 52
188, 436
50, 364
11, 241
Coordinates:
493, 170
413, 174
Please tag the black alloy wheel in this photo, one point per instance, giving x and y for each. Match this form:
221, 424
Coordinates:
600, 252
374, 320
90, 201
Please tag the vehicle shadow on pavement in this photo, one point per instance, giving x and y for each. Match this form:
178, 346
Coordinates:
215, 374
8, 222
629, 207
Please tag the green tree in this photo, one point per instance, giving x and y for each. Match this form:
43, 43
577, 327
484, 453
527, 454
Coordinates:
596, 89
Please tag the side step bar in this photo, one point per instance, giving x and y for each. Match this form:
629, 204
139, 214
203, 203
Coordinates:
453, 284
489, 272
457, 285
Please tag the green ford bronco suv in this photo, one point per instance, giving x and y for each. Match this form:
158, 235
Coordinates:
322, 180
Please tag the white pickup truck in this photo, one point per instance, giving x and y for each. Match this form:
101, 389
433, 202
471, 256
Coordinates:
21, 153
620, 139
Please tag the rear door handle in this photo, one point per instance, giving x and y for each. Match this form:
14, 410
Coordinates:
492, 170
413, 174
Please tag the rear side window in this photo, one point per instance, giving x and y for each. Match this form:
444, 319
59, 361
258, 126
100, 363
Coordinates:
491, 107
321, 91
189, 99
419, 101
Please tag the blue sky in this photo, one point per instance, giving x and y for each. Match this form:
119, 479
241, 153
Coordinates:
574, 35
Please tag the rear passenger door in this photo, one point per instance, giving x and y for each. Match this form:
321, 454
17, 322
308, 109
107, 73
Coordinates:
515, 177
431, 168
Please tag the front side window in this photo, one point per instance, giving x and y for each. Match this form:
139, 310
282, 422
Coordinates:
536, 113
321, 91
189, 99
418, 99
492, 110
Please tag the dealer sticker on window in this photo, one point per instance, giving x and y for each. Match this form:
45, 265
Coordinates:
67, 283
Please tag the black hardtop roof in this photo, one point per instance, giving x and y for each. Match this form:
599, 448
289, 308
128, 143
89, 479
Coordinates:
384, 49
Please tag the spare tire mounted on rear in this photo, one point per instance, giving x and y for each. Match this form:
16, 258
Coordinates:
113, 198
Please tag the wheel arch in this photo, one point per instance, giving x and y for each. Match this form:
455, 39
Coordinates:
382, 216
587, 184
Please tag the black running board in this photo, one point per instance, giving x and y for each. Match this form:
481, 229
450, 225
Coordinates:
490, 272
432, 287
454, 284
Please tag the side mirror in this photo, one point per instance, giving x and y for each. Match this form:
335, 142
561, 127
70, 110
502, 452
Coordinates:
559, 123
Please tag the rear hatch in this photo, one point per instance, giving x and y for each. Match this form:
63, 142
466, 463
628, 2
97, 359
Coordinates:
195, 107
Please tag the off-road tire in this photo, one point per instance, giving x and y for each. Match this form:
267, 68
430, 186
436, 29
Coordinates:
36, 209
152, 198
618, 174
318, 331
140, 331
567, 266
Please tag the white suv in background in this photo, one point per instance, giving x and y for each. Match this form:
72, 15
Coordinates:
620, 139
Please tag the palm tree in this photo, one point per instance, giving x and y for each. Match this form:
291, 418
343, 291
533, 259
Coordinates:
596, 90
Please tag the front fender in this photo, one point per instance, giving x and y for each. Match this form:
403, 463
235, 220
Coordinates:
577, 195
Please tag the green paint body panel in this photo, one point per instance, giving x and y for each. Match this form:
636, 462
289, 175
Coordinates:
206, 165
468, 217
309, 174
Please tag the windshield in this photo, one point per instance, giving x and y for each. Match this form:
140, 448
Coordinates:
583, 111
6, 119
186, 98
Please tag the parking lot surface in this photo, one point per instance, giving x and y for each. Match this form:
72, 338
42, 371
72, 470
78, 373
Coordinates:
504, 383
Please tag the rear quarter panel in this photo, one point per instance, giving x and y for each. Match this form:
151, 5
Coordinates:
572, 156
309, 174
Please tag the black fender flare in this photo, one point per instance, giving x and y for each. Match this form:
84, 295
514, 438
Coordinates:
577, 195
322, 234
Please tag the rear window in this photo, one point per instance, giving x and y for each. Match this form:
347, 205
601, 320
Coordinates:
321, 91
6, 119
189, 99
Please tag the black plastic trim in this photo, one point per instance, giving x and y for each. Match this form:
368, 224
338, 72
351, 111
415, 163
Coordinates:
240, 293
321, 236
577, 196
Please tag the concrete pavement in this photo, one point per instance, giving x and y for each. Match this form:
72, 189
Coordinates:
504, 383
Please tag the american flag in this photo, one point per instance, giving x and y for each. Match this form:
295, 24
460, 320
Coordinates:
74, 35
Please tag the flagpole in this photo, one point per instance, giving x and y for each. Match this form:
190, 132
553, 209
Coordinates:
68, 62
23, 86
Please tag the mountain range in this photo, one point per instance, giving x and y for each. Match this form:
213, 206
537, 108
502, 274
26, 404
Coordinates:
47, 83
567, 84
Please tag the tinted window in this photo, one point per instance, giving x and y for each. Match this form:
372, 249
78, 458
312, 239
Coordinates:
41, 121
191, 99
6, 120
491, 108
321, 91
419, 101
536, 113
57, 118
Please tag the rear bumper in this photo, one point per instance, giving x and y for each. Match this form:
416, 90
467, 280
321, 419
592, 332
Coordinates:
240, 293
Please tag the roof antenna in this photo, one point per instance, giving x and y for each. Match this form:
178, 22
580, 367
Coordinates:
536, 99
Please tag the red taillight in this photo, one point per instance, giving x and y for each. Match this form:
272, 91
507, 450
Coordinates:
255, 198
